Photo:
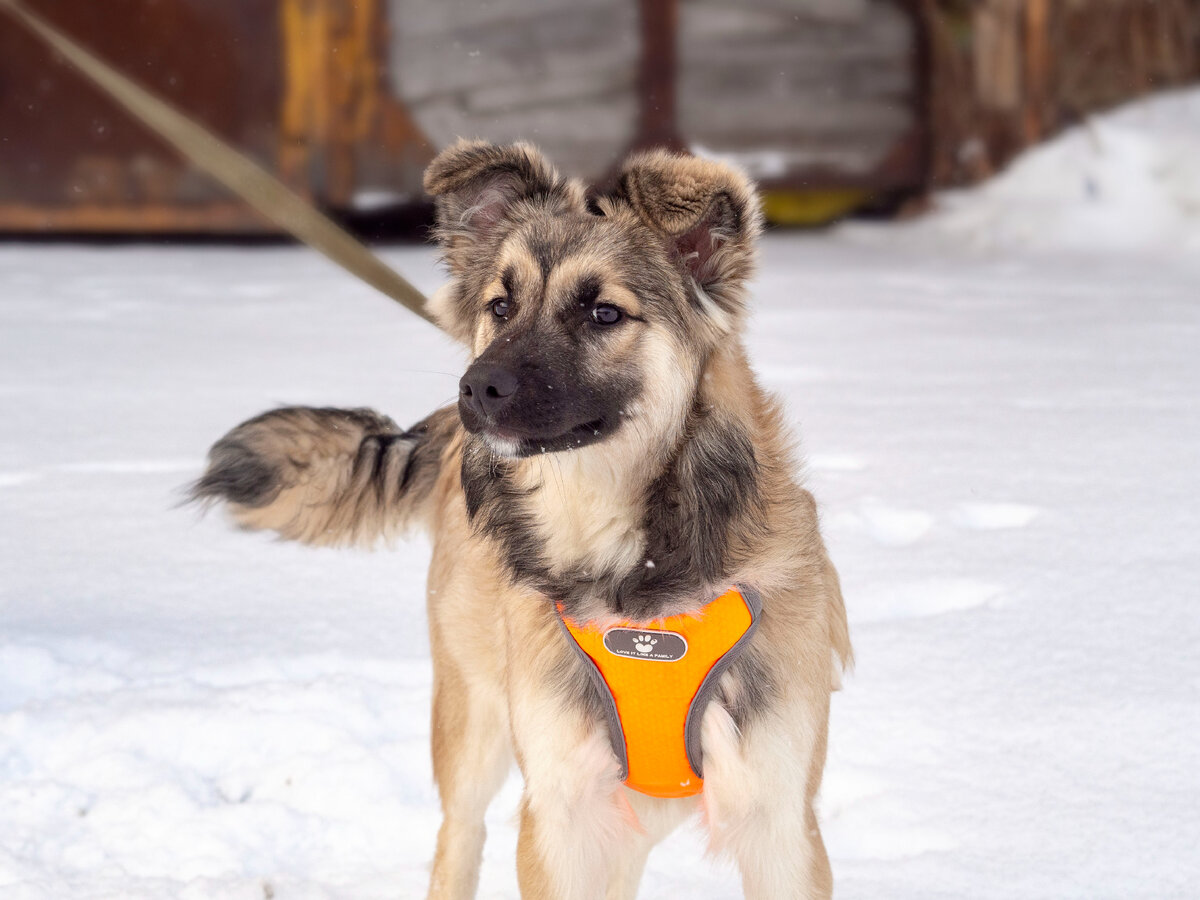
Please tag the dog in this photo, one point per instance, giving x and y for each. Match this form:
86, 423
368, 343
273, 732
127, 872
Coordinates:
610, 468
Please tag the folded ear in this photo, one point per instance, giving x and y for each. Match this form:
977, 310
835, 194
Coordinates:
708, 214
481, 187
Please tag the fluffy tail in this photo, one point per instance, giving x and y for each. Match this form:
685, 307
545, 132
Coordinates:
331, 477
839, 629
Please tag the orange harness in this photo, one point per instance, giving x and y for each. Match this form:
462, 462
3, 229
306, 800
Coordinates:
658, 678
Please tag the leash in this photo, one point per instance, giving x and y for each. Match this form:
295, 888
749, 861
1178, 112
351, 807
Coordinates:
232, 168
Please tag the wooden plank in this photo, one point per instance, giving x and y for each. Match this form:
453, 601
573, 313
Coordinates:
715, 24
420, 70
583, 139
997, 54
1037, 73
886, 26
812, 10
218, 218
697, 119
577, 88
893, 79
604, 120
418, 20
559, 74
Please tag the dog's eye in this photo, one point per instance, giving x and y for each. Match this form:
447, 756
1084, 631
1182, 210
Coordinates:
500, 308
606, 314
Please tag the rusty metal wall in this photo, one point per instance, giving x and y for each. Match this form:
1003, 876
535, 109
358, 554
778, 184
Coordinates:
70, 160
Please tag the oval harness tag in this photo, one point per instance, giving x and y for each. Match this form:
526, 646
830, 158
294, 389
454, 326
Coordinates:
634, 643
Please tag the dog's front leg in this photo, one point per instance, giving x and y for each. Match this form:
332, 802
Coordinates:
656, 819
759, 790
603, 849
574, 816
471, 758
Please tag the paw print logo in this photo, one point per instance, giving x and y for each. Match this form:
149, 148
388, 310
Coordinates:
644, 643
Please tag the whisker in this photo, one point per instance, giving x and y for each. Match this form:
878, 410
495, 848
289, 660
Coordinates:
426, 372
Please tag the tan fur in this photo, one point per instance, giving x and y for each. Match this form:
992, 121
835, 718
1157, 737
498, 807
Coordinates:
338, 479
502, 667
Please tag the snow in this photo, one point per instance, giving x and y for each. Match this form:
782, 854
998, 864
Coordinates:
1126, 180
1003, 443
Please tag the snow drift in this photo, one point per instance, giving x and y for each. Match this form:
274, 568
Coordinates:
1127, 180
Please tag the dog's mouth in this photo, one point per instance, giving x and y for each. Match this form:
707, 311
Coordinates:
509, 441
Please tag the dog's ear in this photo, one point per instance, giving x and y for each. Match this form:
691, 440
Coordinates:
709, 217
482, 187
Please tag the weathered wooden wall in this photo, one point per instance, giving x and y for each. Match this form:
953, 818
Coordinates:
830, 103
793, 88
1007, 73
559, 73
822, 90
1108, 49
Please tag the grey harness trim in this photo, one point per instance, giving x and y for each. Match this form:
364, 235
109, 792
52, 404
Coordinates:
612, 718
695, 715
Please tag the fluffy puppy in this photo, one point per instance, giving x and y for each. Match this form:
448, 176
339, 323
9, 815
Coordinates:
611, 459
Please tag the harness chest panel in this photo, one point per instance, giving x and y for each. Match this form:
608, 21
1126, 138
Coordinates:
658, 677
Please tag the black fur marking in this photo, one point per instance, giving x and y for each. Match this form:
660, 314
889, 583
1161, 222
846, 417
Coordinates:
754, 689
546, 255
554, 408
698, 513
580, 684
373, 452
693, 509
587, 291
237, 474
549, 252
428, 439
495, 507
410, 464
434, 433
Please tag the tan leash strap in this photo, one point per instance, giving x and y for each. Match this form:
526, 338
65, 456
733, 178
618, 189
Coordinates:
244, 177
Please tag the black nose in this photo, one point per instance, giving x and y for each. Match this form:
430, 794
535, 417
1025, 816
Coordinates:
488, 388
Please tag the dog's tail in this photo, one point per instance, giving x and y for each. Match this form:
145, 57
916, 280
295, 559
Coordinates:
327, 476
839, 629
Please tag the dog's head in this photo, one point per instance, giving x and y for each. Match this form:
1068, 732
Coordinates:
586, 318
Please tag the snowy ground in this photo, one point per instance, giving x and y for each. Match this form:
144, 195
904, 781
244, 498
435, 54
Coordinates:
1005, 448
